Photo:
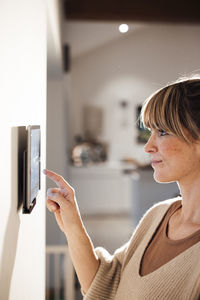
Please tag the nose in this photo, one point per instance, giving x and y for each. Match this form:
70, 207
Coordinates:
150, 146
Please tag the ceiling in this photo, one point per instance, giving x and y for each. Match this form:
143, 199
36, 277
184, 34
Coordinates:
172, 11
84, 36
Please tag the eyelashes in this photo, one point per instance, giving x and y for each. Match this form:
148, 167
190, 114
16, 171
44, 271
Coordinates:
162, 132
159, 132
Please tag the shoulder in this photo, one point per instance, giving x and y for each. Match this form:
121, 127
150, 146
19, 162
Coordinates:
161, 207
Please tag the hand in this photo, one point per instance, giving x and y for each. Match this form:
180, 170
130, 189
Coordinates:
62, 202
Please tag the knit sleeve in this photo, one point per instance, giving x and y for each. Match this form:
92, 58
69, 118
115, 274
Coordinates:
106, 280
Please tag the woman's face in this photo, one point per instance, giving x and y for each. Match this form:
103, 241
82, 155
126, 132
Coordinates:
172, 158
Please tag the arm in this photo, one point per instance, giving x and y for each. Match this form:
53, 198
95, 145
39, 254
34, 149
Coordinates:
63, 203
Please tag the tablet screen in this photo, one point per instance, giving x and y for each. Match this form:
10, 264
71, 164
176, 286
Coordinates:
34, 163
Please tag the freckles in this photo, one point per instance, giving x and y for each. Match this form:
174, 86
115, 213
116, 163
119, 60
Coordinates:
176, 149
172, 148
175, 146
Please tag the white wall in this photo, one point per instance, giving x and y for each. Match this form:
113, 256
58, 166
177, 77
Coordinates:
130, 68
23, 102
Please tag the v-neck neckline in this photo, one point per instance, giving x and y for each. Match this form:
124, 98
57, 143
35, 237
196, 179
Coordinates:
148, 241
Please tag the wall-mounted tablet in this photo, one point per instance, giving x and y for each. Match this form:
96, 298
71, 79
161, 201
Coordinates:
31, 168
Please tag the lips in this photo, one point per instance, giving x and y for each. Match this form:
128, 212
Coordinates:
156, 162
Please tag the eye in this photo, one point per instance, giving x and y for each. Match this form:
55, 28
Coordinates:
162, 132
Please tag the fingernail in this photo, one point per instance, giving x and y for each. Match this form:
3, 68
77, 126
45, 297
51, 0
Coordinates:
44, 171
49, 193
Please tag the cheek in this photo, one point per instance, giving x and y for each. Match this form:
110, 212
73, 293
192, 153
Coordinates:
174, 154
170, 149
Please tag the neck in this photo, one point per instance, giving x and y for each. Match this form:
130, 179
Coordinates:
190, 211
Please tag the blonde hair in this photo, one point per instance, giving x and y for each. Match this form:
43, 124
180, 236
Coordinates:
175, 109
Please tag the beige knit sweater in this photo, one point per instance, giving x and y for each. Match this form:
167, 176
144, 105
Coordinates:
118, 275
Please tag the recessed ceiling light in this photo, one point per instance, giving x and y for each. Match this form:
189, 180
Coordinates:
123, 28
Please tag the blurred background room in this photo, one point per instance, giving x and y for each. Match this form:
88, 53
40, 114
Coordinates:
97, 79
69, 67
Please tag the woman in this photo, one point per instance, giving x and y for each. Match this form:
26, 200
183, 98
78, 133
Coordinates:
162, 258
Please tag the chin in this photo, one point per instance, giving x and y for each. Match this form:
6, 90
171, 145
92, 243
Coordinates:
162, 178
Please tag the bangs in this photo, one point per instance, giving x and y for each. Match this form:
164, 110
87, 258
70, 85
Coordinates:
161, 111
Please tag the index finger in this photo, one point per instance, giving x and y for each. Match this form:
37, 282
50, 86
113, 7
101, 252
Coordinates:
58, 179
